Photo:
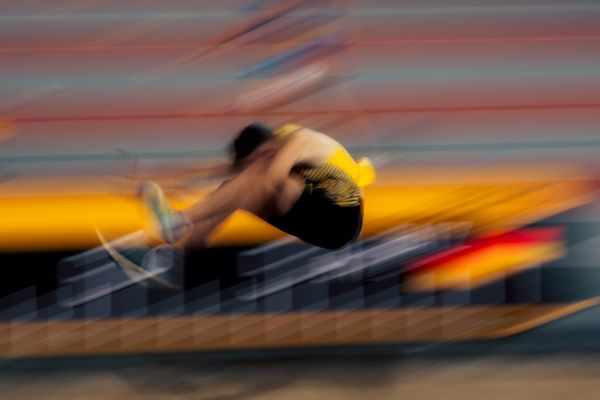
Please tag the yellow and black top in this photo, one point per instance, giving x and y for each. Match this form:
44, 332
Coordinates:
340, 177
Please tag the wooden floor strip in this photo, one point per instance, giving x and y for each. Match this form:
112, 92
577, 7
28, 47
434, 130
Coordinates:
196, 333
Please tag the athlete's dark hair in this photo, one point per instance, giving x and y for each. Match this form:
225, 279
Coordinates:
248, 140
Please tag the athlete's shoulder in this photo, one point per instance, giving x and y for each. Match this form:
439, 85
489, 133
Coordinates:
286, 130
307, 134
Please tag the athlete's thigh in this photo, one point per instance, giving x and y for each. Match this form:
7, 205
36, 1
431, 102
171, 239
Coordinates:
277, 200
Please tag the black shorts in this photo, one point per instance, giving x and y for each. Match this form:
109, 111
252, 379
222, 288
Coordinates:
318, 220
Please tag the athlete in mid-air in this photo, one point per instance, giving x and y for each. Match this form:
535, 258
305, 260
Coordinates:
301, 181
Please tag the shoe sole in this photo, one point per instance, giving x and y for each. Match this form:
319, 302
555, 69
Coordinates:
134, 271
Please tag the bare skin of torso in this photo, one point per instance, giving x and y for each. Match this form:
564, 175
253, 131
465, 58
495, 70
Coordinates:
263, 185
307, 147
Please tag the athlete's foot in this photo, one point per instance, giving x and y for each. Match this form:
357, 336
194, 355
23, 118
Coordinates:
165, 262
171, 223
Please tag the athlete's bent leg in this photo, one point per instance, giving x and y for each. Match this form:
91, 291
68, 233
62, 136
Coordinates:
263, 202
249, 191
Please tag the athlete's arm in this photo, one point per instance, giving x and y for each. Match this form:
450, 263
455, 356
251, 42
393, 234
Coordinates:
218, 170
286, 157
187, 175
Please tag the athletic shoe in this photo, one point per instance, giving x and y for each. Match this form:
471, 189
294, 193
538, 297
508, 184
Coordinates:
165, 262
171, 227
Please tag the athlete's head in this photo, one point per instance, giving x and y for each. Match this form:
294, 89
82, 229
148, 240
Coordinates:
248, 140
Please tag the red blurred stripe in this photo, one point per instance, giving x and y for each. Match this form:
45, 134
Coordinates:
524, 236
